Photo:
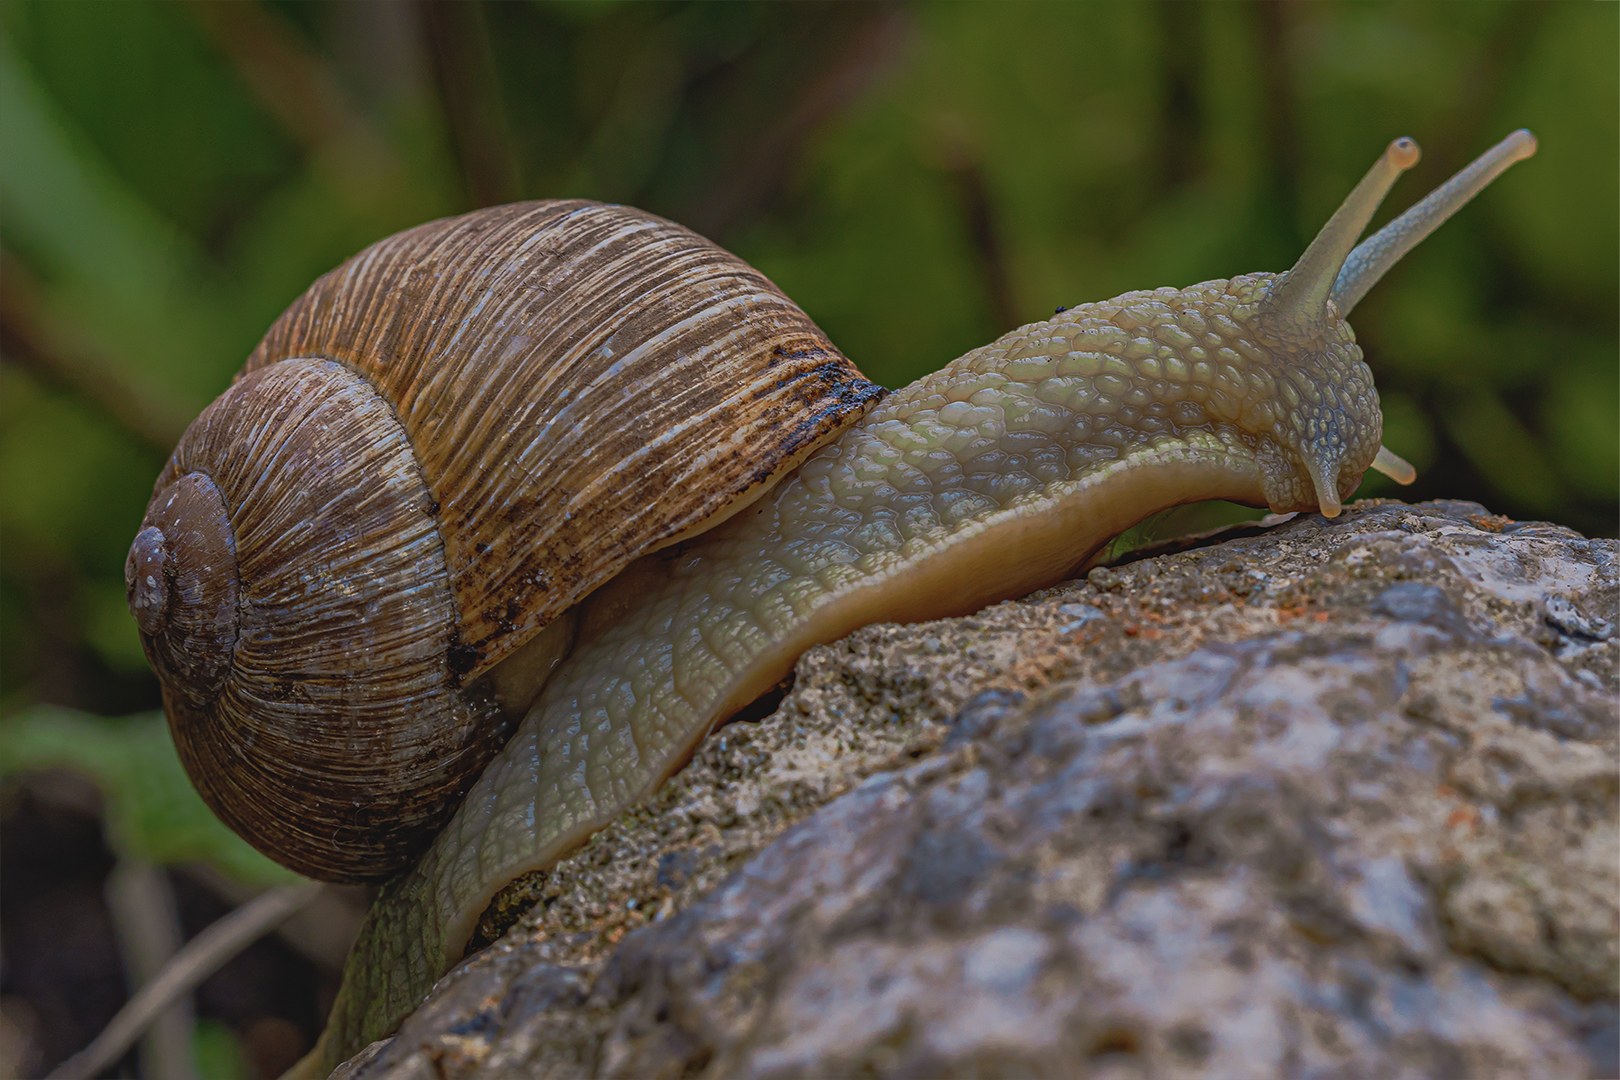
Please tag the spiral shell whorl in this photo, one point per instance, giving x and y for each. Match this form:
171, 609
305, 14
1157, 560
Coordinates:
329, 732
181, 576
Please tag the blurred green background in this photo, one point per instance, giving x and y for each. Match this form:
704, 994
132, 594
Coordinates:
919, 177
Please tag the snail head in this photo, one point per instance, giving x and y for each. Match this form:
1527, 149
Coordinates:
1312, 401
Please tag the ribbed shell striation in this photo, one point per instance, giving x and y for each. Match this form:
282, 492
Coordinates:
318, 717
581, 384
445, 443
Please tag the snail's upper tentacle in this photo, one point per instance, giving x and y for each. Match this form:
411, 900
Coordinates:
1296, 312
1373, 257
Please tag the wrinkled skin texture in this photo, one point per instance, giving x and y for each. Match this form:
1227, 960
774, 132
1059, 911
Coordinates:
1333, 799
994, 476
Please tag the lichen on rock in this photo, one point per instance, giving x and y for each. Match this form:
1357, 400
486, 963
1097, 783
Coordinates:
1333, 797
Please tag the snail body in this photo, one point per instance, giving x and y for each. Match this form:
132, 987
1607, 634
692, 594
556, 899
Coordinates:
999, 474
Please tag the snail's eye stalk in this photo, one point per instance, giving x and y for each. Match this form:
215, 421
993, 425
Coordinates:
1336, 270
1380, 251
1296, 311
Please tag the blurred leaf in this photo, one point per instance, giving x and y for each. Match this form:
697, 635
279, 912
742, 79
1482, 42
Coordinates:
68, 208
116, 271
113, 69
1178, 521
1504, 450
218, 1052
152, 812
1581, 414
110, 628
1408, 433
1564, 214
1407, 430
65, 476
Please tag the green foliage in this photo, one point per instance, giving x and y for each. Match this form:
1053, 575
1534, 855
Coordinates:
151, 811
113, 68
66, 470
919, 177
218, 1052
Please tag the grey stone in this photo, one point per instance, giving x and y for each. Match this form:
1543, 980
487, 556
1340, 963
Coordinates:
981, 714
1334, 798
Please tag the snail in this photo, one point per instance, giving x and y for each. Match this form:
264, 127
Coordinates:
357, 563
510, 510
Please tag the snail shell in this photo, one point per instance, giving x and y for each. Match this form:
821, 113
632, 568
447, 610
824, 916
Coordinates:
435, 452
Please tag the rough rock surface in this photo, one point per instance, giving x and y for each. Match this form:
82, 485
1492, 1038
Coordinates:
1334, 799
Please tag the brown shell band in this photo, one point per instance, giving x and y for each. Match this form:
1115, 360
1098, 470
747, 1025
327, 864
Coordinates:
581, 384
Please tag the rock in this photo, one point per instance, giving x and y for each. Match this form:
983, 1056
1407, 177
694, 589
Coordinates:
1331, 798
